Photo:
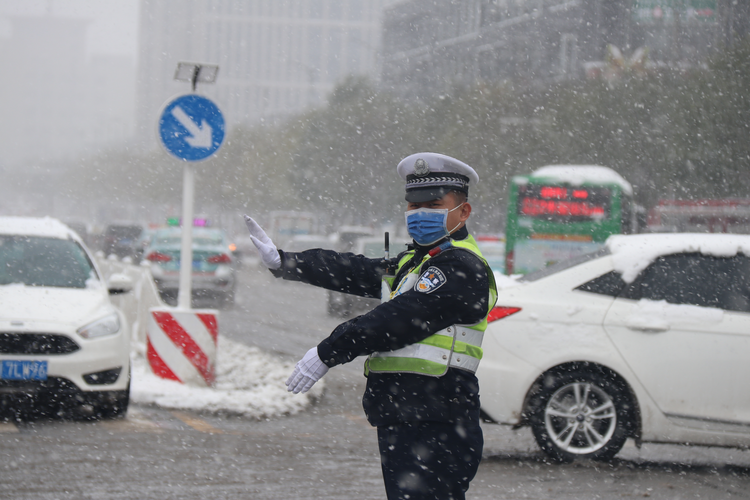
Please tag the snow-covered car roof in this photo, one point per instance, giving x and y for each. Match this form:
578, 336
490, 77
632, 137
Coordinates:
36, 226
631, 254
196, 230
576, 175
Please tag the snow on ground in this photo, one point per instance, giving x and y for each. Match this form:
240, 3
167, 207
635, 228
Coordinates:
248, 382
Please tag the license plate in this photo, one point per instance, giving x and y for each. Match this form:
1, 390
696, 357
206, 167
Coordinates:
23, 370
201, 266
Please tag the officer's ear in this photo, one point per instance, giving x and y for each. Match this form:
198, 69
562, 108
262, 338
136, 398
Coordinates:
465, 211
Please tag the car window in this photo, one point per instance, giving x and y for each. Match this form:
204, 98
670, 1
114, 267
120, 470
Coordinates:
208, 240
37, 261
199, 238
610, 284
737, 295
166, 238
695, 279
146, 235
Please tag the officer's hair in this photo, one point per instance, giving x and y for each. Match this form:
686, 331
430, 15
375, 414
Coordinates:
461, 197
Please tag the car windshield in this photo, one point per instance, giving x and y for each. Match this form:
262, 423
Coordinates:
38, 261
563, 265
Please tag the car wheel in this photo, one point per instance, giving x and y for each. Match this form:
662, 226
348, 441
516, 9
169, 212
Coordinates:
107, 404
116, 406
580, 414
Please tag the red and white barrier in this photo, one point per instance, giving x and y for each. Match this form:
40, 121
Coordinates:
181, 344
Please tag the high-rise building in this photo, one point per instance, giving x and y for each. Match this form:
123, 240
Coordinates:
432, 45
57, 103
275, 57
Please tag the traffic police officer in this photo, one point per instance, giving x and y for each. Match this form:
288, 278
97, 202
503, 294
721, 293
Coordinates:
423, 340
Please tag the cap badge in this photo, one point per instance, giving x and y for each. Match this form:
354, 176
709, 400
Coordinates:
421, 168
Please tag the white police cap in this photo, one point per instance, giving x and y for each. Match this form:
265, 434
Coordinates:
430, 176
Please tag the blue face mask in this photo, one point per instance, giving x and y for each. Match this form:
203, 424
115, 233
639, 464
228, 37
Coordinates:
429, 225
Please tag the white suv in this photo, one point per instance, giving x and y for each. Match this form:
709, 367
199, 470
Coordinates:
64, 348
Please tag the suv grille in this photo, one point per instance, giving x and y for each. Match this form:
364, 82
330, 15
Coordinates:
36, 343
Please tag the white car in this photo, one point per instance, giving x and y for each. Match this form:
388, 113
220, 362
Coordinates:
647, 339
63, 346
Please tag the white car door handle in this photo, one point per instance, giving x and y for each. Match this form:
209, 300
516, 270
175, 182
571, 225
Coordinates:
648, 329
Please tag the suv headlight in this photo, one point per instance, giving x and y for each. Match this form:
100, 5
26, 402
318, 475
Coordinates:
108, 325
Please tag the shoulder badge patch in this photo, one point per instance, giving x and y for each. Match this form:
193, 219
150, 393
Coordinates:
430, 280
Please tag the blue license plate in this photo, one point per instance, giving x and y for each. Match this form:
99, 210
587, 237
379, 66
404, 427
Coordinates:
23, 370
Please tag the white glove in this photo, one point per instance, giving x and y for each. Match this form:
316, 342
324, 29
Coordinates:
308, 371
269, 254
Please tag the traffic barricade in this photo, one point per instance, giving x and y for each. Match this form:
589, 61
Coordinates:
181, 344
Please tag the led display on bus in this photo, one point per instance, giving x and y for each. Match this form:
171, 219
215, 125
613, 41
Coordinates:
561, 211
563, 204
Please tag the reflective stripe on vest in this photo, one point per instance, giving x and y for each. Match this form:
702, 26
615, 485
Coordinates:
458, 346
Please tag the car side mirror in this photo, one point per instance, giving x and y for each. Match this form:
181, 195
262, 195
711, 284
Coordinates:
119, 283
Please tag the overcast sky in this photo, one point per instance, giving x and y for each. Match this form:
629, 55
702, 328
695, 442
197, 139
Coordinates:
113, 28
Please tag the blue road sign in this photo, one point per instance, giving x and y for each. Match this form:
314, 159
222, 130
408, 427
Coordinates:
191, 127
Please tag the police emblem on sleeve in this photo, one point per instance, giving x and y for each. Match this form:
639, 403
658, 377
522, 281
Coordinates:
430, 280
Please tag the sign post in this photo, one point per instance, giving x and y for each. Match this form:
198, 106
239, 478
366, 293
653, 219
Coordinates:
181, 342
185, 290
191, 128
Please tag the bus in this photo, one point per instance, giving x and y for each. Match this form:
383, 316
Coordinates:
562, 211
722, 215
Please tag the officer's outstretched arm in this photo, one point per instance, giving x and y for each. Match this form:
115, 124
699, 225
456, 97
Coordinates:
269, 254
460, 298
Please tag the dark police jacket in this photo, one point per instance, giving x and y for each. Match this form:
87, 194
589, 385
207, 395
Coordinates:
392, 398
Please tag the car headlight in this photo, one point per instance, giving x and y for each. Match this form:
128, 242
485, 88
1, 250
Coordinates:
108, 325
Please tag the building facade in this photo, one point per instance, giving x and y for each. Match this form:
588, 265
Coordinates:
432, 45
275, 57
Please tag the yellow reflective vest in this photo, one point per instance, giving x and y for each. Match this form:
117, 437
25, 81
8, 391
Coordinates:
458, 346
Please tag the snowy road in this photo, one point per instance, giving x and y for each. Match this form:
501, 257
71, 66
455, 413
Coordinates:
328, 451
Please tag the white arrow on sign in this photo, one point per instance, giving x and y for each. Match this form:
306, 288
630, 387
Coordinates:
200, 135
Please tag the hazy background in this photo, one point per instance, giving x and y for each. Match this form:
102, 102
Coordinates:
323, 97
69, 77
